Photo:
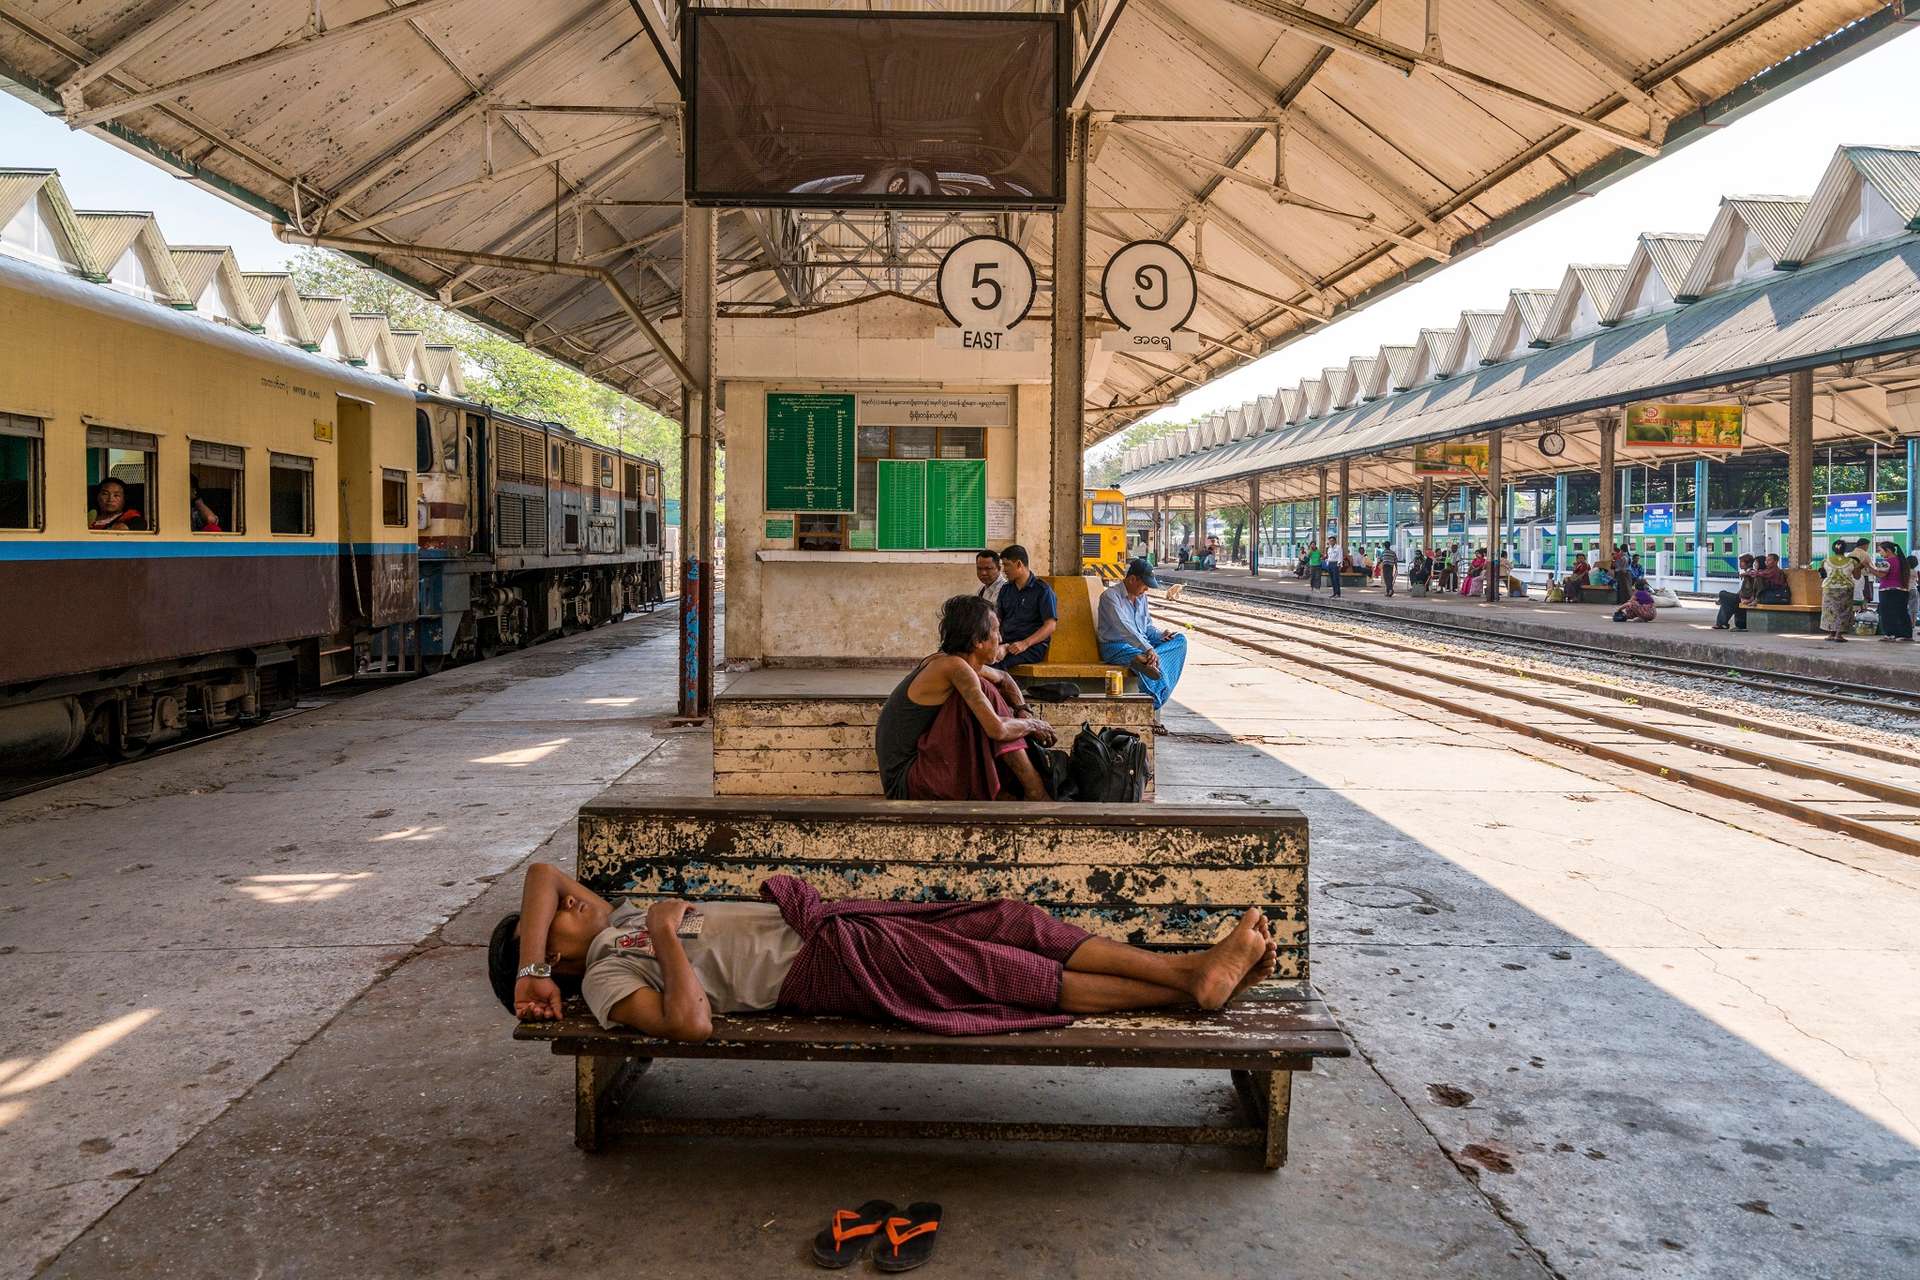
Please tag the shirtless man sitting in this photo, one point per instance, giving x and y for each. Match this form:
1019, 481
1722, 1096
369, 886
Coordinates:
952, 968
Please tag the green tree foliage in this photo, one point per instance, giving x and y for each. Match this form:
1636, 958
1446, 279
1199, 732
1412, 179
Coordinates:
499, 370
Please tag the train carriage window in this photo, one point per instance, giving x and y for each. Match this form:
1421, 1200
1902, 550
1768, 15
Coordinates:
393, 497
120, 477
653, 484
21, 471
422, 441
217, 488
290, 494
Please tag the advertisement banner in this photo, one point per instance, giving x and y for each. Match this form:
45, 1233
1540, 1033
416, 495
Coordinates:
1658, 519
1684, 426
1456, 523
1849, 514
1449, 459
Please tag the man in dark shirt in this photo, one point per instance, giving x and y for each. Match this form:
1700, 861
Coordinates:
1029, 611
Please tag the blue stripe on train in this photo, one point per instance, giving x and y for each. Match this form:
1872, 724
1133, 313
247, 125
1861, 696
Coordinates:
137, 547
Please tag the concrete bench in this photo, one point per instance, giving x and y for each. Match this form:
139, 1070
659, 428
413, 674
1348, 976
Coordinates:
809, 732
1161, 876
1074, 651
1591, 594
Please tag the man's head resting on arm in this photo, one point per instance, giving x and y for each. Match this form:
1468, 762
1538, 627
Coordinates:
575, 925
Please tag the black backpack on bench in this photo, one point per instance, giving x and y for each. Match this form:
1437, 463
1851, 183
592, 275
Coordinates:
1109, 766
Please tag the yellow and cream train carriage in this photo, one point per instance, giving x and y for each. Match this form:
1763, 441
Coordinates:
275, 495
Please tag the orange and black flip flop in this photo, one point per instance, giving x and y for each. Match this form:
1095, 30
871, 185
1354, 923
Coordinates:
850, 1232
909, 1240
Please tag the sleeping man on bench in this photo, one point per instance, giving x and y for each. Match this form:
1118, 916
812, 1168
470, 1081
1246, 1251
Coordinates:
950, 968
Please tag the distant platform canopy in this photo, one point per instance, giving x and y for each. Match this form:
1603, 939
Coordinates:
1308, 157
1829, 282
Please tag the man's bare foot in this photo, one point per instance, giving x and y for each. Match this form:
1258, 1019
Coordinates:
1259, 973
1229, 960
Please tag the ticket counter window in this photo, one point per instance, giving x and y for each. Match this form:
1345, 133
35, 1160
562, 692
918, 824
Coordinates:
216, 497
876, 443
21, 443
120, 471
290, 494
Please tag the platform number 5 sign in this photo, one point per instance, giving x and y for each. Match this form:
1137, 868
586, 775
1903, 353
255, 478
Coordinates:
986, 288
1150, 290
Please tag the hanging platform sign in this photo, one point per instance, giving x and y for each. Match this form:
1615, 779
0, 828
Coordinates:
986, 286
1150, 291
809, 452
1692, 427
1657, 519
1449, 459
1849, 513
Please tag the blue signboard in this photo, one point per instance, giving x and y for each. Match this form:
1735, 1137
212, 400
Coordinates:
1457, 523
1849, 513
1658, 519
673, 511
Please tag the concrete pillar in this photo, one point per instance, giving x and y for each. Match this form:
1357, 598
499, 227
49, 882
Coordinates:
1560, 523
1426, 512
1253, 525
1159, 528
1199, 521
1496, 515
1607, 428
1320, 511
1800, 469
1464, 547
1070, 351
1345, 518
1913, 493
1293, 537
1626, 509
696, 465
1699, 524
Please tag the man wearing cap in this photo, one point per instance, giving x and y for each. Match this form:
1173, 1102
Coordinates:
1127, 634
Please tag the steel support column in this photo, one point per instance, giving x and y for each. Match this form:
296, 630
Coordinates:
1496, 515
696, 465
1560, 523
1390, 520
1699, 524
1465, 545
1913, 495
1199, 523
1346, 507
1320, 513
1253, 526
1070, 351
1426, 513
1800, 469
1605, 543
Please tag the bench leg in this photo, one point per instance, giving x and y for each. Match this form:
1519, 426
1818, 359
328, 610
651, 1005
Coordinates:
1268, 1096
598, 1082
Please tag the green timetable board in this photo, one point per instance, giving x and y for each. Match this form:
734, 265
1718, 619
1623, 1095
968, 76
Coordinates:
956, 503
901, 488
809, 452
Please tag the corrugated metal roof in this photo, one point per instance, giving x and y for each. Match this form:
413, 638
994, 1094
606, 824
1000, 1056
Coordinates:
1534, 306
110, 235
1672, 253
1602, 284
370, 122
1842, 309
1894, 173
1772, 219
1480, 327
17, 186
197, 268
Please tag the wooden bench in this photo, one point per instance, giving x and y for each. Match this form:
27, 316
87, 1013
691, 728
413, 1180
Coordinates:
1591, 594
809, 732
1801, 616
1074, 651
1159, 876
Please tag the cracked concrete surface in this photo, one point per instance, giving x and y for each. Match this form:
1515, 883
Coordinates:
1601, 1031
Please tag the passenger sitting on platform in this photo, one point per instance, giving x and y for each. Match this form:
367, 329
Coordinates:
1127, 634
1733, 603
986, 567
1639, 606
1418, 571
949, 729
1770, 582
948, 968
1029, 611
1475, 581
1577, 577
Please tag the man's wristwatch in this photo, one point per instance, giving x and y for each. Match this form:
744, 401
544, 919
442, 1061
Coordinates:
535, 970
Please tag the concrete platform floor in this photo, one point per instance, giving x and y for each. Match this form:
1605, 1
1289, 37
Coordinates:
1686, 632
1601, 1031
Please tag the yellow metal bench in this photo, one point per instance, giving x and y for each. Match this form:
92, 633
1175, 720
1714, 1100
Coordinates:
1074, 651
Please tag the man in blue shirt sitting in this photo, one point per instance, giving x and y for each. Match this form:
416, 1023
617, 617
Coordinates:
1029, 611
1127, 634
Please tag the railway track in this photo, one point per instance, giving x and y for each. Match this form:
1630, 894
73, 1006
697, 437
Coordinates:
1853, 789
1874, 697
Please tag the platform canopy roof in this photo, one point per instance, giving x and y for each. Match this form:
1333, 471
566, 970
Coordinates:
1834, 290
1310, 156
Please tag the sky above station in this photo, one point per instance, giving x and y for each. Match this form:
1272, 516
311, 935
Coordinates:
1781, 147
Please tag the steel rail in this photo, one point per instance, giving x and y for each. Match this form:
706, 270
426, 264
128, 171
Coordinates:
1306, 653
1876, 697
